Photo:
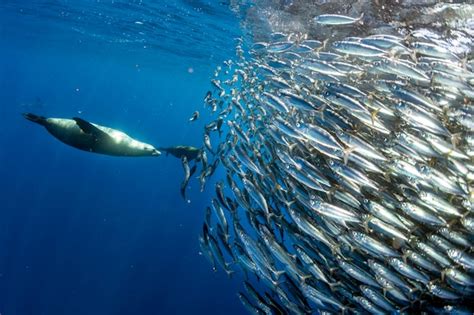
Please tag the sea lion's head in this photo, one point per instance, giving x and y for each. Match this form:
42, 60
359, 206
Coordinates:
151, 150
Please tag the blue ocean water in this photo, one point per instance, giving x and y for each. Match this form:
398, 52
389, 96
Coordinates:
89, 234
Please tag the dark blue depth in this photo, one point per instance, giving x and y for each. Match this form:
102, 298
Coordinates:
88, 234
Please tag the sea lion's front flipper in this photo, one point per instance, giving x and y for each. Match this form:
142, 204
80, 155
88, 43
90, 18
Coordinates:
89, 128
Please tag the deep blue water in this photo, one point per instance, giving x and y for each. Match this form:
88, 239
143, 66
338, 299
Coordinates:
88, 234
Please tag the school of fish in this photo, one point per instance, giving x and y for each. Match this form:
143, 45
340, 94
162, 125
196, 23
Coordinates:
349, 183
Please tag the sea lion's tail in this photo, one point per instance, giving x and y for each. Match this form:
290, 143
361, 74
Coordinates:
35, 118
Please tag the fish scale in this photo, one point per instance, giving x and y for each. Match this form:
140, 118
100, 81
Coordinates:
342, 164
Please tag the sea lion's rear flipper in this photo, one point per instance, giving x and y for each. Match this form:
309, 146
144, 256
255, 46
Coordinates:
35, 118
89, 128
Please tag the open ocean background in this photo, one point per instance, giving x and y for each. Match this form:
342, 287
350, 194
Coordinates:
88, 234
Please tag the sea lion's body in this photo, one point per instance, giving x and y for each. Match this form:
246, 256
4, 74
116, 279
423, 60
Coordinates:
91, 137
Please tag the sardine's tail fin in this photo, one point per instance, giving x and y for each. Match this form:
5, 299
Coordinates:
228, 271
35, 118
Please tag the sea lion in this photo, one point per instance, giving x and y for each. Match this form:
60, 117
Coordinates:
179, 151
91, 137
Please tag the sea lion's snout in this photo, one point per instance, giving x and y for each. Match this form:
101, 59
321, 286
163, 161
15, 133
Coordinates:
156, 152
